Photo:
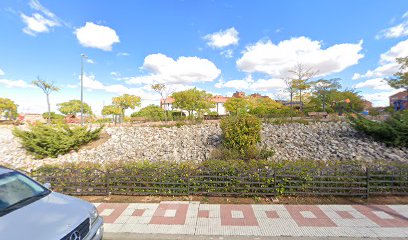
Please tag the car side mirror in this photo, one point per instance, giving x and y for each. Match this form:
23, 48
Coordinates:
47, 185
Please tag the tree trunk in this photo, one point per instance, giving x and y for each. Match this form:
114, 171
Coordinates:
49, 109
291, 106
300, 98
122, 117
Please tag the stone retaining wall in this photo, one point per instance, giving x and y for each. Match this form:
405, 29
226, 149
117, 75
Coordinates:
321, 140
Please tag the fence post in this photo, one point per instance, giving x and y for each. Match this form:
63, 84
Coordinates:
188, 183
107, 182
368, 181
274, 182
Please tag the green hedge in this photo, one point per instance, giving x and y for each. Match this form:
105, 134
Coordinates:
234, 177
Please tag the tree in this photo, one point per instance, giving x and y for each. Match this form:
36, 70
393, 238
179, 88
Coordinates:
126, 101
47, 88
164, 92
8, 108
54, 116
263, 106
401, 77
300, 77
323, 88
338, 98
112, 110
236, 105
290, 88
193, 100
151, 112
73, 107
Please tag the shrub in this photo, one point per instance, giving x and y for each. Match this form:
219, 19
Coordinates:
393, 131
55, 117
241, 132
254, 153
50, 141
373, 112
212, 113
280, 121
220, 177
102, 120
151, 113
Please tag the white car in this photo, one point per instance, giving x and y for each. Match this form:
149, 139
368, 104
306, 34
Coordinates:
29, 210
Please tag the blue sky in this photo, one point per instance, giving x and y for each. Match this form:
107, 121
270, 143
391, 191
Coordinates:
218, 46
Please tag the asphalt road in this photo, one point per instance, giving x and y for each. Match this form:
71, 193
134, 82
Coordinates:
131, 236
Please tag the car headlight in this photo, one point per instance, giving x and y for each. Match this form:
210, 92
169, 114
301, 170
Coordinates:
94, 215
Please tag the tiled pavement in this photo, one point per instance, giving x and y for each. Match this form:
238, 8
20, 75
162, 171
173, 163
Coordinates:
193, 218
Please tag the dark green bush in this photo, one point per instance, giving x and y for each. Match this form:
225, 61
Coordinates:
393, 131
55, 117
282, 121
150, 113
373, 112
241, 132
254, 153
50, 141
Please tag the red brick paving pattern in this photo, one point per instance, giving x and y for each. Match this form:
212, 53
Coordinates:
179, 218
345, 214
272, 214
118, 209
138, 212
247, 211
397, 219
311, 220
203, 214
321, 220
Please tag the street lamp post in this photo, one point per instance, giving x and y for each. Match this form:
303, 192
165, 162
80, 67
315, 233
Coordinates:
82, 87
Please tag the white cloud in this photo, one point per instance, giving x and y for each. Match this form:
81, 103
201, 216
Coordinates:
356, 76
229, 53
396, 31
91, 83
184, 70
36, 5
376, 83
97, 36
254, 85
387, 64
88, 60
39, 22
123, 54
222, 39
1, 72
379, 98
405, 15
115, 74
268, 84
237, 84
277, 59
15, 83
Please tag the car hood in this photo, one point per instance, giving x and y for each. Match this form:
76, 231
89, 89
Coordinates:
51, 217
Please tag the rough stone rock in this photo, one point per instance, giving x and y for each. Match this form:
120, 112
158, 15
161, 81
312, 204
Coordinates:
320, 141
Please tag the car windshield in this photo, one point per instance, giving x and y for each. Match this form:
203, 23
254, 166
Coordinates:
17, 190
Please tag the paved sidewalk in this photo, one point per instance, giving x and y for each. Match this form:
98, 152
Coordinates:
193, 218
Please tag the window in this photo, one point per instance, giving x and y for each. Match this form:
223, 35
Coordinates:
17, 190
